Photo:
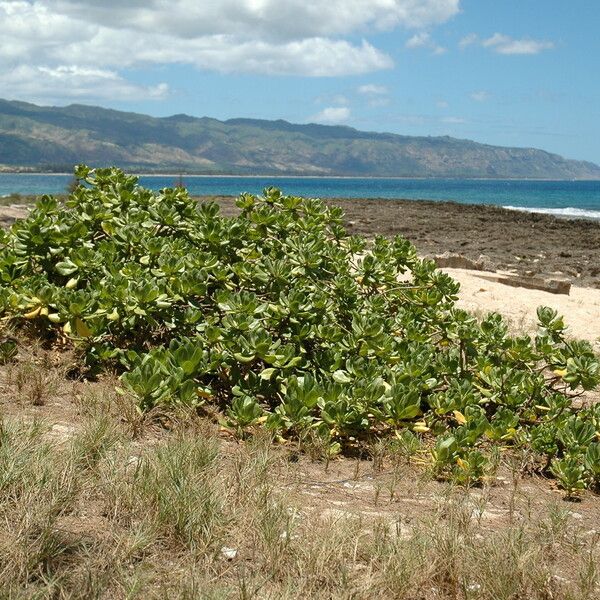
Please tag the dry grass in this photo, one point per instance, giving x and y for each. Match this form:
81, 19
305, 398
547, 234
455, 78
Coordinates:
186, 515
97, 501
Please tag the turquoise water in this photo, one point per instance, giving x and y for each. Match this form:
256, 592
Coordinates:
562, 198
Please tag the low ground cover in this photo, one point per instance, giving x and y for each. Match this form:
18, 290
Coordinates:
99, 502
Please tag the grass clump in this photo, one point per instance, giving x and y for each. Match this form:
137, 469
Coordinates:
280, 319
187, 516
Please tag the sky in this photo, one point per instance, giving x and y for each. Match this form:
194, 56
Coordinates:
506, 72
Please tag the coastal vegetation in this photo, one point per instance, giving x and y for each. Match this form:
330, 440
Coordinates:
278, 320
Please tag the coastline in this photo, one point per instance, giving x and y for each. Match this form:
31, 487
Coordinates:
317, 177
526, 243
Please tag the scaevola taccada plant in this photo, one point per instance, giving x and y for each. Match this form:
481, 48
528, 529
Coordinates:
282, 319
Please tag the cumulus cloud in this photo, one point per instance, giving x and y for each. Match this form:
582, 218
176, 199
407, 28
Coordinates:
504, 44
34, 34
274, 37
62, 49
283, 19
332, 115
39, 83
422, 39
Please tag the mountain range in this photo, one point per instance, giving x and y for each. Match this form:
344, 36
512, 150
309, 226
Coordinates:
55, 138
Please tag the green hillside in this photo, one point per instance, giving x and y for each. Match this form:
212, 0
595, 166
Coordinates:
55, 138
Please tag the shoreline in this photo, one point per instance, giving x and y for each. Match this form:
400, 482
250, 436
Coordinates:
554, 212
280, 176
526, 243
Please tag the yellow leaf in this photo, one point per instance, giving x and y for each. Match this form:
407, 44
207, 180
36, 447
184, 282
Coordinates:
114, 315
460, 418
33, 314
509, 434
107, 227
462, 464
81, 328
420, 428
560, 372
72, 283
54, 318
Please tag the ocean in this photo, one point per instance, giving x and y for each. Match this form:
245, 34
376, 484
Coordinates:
572, 199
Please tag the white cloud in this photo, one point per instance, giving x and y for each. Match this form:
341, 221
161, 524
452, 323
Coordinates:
332, 115
74, 83
418, 40
480, 96
442, 104
71, 38
504, 44
377, 95
371, 89
315, 57
423, 39
283, 19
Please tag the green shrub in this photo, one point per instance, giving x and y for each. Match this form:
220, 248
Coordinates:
281, 318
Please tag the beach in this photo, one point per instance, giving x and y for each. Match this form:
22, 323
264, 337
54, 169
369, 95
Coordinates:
133, 471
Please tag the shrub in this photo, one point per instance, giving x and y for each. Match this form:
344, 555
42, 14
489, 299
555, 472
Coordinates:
282, 319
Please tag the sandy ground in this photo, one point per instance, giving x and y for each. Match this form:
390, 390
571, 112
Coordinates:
581, 308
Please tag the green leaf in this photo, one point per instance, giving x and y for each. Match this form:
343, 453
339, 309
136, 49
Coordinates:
66, 267
341, 376
267, 374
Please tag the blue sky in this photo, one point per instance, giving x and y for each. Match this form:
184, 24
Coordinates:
508, 72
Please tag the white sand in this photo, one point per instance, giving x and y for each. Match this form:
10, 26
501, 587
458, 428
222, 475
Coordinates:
581, 308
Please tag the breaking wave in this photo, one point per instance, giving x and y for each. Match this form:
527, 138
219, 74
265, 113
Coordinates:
565, 213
